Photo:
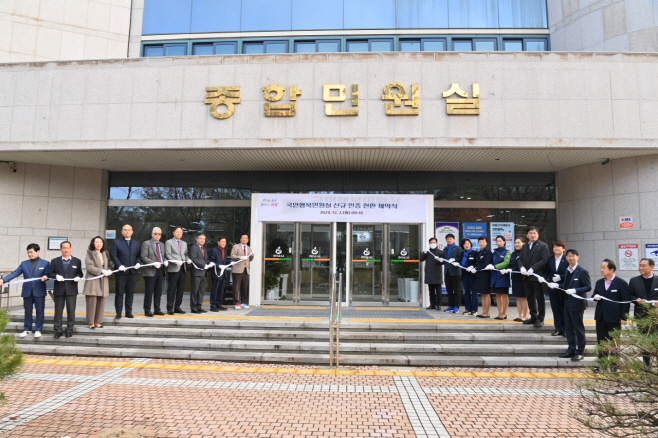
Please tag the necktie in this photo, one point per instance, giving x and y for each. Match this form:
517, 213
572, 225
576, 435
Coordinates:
244, 250
157, 250
178, 241
203, 253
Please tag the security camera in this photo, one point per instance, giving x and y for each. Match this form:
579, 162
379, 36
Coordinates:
12, 167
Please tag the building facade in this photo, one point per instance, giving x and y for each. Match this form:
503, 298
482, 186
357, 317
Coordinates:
523, 113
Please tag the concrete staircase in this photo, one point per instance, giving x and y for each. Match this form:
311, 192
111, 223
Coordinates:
300, 342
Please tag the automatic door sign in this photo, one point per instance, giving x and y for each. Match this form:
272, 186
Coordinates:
404, 254
315, 253
366, 254
629, 257
278, 253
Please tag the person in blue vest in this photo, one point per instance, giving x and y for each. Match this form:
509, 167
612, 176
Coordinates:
34, 292
452, 274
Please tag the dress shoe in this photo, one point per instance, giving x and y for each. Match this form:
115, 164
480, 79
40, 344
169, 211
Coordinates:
539, 324
170, 313
179, 310
203, 311
129, 315
149, 314
214, 309
567, 355
58, 334
194, 311
518, 320
430, 308
158, 313
501, 317
577, 358
529, 321
557, 333
69, 334
117, 316
222, 308
483, 316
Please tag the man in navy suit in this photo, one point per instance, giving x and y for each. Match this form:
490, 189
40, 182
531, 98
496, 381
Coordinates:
576, 282
554, 272
125, 252
452, 275
219, 256
65, 292
609, 316
34, 292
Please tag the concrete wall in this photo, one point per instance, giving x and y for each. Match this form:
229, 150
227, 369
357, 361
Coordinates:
39, 201
606, 25
46, 30
592, 198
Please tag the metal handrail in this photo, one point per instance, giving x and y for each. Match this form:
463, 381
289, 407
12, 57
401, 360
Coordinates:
336, 298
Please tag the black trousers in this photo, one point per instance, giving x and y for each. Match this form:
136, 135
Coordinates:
175, 290
453, 289
196, 294
125, 285
603, 329
60, 301
153, 290
557, 307
217, 292
574, 329
241, 288
536, 303
435, 295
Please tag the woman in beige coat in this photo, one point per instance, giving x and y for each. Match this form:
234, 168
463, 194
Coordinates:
97, 262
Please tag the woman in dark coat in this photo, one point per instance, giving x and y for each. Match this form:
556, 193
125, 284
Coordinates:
500, 282
483, 276
469, 258
433, 273
517, 282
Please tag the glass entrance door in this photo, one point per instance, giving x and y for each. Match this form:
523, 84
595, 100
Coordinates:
385, 265
297, 262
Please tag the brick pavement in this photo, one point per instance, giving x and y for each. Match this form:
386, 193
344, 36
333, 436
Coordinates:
80, 397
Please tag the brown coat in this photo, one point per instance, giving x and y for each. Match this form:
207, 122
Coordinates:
236, 253
101, 286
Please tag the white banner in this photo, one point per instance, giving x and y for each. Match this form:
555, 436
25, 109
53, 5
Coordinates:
505, 229
294, 207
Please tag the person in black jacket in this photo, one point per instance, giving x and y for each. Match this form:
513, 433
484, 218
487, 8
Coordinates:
452, 253
610, 316
576, 282
433, 273
554, 272
468, 260
534, 256
483, 269
219, 256
65, 292
644, 288
517, 282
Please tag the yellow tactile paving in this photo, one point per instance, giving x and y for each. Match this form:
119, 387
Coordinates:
371, 373
295, 307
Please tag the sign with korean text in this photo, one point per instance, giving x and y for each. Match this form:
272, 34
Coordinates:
626, 222
443, 229
651, 252
505, 229
629, 257
473, 230
356, 208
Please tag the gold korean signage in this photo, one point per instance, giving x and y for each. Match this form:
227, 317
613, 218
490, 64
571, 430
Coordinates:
398, 100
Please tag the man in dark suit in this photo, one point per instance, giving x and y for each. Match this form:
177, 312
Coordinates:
65, 292
125, 252
533, 259
644, 288
218, 256
609, 316
433, 273
199, 258
153, 251
576, 282
34, 292
554, 272
453, 274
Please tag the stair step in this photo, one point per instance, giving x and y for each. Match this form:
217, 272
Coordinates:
323, 359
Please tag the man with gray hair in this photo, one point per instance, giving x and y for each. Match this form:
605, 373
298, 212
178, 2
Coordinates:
153, 251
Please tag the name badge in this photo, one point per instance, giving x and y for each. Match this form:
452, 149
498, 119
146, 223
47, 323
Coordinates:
74, 267
575, 279
614, 290
41, 269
